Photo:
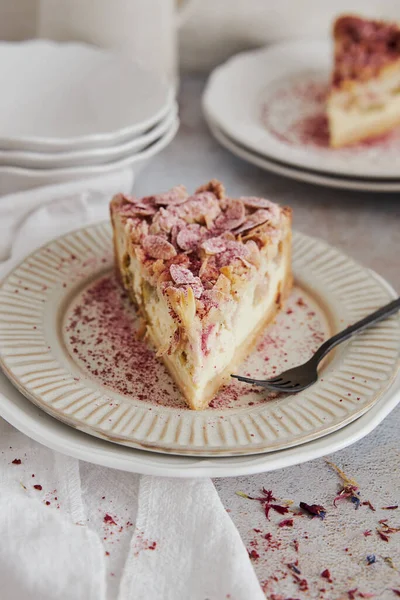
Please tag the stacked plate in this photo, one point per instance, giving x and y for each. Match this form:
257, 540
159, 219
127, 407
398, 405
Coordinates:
72, 111
56, 369
268, 107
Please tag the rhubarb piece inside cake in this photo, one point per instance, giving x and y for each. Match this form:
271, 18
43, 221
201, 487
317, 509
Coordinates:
364, 99
207, 273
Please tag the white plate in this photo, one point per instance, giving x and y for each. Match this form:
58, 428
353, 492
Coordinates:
69, 96
345, 183
89, 157
271, 101
18, 179
71, 348
33, 422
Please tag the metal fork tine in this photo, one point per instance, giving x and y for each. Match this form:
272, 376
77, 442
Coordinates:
245, 379
273, 385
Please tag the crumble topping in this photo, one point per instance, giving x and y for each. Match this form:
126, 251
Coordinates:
363, 47
190, 238
199, 250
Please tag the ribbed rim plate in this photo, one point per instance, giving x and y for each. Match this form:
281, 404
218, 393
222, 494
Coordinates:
38, 295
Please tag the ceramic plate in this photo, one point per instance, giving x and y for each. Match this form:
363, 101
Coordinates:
67, 341
85, 97
273, 102
14, 179
32, 421
345, 183
92, 156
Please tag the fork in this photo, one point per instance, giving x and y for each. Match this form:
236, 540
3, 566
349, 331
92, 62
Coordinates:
301, 377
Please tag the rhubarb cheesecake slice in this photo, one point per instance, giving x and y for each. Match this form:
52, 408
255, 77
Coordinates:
207, 273
364, 99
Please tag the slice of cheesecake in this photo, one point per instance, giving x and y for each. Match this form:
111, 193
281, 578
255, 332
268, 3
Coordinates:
207, 273
364, 98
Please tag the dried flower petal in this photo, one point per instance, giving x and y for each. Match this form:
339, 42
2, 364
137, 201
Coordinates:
349, 491
326, 575
294, 568
243, 495
346, 480
286, 523
314, 509
371, 558
387, 528
389, 562
390, 507
282, 510
267, 498
253, 554
108, 519
368, 503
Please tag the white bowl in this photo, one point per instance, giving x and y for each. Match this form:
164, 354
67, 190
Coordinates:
69, 96
87, 157
17, 179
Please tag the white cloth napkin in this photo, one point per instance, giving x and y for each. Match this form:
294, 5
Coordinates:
86, 532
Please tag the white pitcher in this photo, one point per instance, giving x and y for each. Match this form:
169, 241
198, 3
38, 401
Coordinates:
142, 29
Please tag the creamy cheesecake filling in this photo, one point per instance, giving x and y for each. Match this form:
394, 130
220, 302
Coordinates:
205, 275
371, 95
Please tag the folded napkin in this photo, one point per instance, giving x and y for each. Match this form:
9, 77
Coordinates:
74, 531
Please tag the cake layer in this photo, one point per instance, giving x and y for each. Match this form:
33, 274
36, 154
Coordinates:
206, 272
355, 124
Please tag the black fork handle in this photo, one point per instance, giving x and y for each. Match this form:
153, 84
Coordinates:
375, 317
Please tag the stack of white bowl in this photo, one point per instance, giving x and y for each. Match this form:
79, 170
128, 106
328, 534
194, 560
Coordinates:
72, 111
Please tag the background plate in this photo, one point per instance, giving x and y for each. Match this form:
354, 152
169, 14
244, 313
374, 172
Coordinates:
39, 297
344, 183
272, 101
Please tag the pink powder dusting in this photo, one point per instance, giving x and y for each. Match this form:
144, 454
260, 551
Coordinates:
102, 331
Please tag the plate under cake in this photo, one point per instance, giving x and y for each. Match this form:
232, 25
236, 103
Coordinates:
207, 274
364, 99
